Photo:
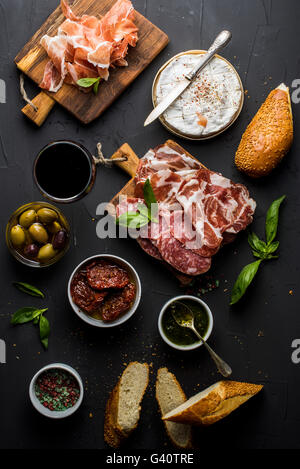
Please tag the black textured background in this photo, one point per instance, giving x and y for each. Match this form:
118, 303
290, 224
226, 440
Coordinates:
255, 336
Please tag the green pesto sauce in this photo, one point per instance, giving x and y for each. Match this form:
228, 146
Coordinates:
181, 335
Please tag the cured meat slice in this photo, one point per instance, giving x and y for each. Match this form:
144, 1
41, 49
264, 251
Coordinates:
86, 46
182, 259
149, 248
83, 296
118, 303
102, 275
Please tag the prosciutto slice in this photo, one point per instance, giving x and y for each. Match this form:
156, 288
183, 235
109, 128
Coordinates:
198, 210
87, 46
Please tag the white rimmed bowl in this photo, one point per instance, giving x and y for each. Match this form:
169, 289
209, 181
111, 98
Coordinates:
124, 317
55, 414
196, 344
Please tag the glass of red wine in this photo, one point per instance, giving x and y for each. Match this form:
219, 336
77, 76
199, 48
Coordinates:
64, 171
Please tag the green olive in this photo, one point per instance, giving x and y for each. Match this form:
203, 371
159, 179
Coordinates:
46, 253
46, 215
54, 227
27, 218
28, 237
38, 233
17, 235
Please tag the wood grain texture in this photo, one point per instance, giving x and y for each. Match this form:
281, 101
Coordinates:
44, 104
32, 59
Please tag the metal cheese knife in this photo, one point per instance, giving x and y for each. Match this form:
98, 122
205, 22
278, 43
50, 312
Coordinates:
221, 41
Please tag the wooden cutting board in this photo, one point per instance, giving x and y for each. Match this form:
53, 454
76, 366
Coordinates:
130, 167
31, 60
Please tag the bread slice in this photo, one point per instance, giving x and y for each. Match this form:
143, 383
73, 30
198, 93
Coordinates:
269, 135
169, 395
214, 403
124, 404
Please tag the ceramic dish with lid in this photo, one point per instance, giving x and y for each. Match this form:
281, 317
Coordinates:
209, 106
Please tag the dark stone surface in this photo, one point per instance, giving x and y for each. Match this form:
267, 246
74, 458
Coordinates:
265, 51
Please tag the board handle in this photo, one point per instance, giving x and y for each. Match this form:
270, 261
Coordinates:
131, 165
44, 104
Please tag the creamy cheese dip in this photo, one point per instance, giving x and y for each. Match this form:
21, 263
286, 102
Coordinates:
209, 104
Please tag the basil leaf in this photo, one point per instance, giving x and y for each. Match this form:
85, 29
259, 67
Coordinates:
149, 194
29, 289
256, 243
96, 86
27, 314
44, 330
143, 210
87, 82
272, 219
132, 220
243, 281
273, 247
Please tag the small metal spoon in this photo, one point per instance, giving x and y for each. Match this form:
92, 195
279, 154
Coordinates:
185, 318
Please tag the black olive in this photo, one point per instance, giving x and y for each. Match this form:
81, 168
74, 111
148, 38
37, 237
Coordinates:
59, 240
31, 250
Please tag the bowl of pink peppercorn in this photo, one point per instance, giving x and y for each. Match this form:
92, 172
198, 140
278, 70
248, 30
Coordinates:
56, 391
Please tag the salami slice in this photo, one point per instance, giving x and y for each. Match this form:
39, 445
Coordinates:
118, 302
182, 259
149, 248
83, 296
102, 275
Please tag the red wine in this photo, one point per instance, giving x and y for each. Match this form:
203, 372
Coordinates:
63, 170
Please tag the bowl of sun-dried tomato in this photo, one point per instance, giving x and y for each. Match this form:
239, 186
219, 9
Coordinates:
104, 290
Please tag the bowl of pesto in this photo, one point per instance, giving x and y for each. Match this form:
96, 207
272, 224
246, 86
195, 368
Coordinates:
182, 338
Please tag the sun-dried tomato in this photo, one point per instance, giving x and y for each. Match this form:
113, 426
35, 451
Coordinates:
102, 274
118, 302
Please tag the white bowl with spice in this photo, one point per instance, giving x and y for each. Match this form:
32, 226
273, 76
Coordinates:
108, 275
181, 338
56, 391
209, 106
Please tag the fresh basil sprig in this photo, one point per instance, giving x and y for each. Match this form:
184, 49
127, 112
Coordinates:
146, 212
88, 82
260, 249
35, 315
29, 289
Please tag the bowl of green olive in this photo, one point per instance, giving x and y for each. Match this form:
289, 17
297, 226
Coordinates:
38, 234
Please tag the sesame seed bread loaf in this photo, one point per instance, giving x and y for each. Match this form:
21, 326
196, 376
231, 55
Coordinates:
124, 404
213, 404
170, 395
269, 135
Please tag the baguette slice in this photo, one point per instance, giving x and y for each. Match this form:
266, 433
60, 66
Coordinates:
214, 403
124, 404
170, 395
269, 135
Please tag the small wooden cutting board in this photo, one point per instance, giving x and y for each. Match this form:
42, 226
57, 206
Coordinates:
32, 59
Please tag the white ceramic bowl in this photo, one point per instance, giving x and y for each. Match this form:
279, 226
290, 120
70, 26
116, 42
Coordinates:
196, 344
124, 317
55, 414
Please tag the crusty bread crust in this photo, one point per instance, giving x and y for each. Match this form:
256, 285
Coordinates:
113, 434
170, 435
268, 137
110, 435
225, 397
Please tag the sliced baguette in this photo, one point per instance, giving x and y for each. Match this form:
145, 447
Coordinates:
214, 403
170, 395
269, 135
124, 404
